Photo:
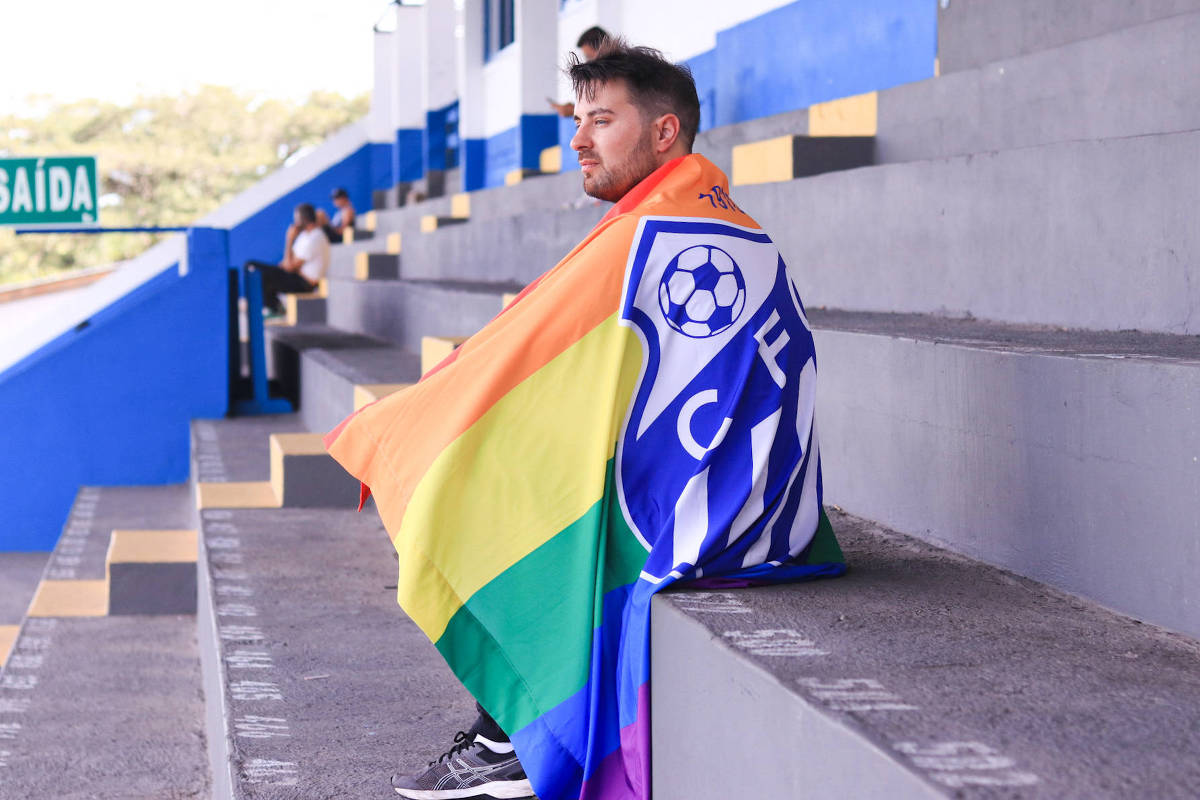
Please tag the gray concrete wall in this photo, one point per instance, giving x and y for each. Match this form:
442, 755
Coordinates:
403, 312
1129, 83
1097, 235
763, 739
513, 249
971, 33
1079, 471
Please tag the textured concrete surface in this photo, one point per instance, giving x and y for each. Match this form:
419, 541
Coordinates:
328, 378
327, 687
508, 250
19, 576
105, 706
325, 363
403, 312
1070, 234
1132, 82
1065, 456
979, 683
216, 460
716, 144
970, 34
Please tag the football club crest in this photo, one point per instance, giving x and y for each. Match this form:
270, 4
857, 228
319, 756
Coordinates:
719, 435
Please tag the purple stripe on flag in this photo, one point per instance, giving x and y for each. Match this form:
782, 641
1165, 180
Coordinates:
625, 773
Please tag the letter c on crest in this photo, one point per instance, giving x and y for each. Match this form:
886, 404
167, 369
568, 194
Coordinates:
683, 425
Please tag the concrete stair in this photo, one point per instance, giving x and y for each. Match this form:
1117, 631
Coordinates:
105, 685
921, 674
313, 677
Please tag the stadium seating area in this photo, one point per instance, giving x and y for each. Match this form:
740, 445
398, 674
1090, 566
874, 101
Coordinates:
1006, 307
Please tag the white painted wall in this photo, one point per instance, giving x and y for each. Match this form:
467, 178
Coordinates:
537, 34
407, 76
501, 101
685, 28
441, 75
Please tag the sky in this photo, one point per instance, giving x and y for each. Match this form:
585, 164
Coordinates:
117, 49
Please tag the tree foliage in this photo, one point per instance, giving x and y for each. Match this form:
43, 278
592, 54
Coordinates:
162, 160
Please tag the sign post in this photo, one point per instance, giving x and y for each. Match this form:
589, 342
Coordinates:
52, 190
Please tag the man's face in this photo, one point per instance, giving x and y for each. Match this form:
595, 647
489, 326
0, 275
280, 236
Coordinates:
615, 144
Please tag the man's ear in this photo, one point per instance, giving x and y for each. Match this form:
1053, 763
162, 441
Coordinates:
666, 130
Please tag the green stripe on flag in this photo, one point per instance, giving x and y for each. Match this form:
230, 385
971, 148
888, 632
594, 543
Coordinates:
537, 617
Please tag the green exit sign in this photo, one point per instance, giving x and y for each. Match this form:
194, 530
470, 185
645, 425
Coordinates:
48, 191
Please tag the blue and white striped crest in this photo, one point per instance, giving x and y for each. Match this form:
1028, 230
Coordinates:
717, 464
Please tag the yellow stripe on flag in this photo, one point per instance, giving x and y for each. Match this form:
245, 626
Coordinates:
523, 472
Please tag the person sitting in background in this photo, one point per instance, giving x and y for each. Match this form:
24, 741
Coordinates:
343, 218
305, 260
589, 44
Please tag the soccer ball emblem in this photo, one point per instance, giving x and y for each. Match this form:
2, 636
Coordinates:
702, 291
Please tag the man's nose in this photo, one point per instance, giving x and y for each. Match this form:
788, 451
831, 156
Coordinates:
580, 140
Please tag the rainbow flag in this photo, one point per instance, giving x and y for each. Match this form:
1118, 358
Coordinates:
640, 415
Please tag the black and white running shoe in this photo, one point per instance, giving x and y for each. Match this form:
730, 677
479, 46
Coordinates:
474, 767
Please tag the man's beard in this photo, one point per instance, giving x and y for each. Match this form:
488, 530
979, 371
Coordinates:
613, 183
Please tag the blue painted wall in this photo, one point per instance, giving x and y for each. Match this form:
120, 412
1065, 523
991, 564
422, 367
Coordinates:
704, 72
817, 50
441, 138
489, 160
111, 403
261, 235
409, 157
566, 132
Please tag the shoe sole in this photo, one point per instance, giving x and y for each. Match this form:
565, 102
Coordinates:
508, 790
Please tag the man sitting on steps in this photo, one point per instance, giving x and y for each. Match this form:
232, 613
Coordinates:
640, 415
305, 260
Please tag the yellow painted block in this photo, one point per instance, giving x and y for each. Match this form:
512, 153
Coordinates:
361, 269
367, 393
153, 547
393, 243
857, 115
435, 348
507, 298
291, 304
460, 205
8, 637
551, 159
247, 494
370, 220
70, 599
513, 177
290, 444
767, 161
429, 223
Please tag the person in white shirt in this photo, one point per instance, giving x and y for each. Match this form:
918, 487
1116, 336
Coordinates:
305, 260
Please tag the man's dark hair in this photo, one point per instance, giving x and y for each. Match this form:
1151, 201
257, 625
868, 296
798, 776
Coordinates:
594, 37
340, 193
656, 86
307, 213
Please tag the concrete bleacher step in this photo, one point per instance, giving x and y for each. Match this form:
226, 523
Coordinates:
317, 684
404, 311
1066, 456
376, 266
919, 674
19, 575
301, 475
99, 701
1000, 236
323, 367
788, 157
304, 309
